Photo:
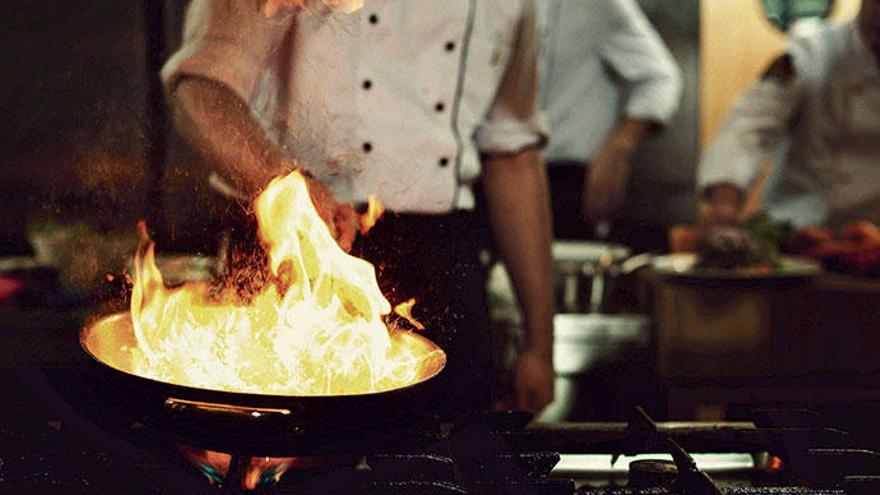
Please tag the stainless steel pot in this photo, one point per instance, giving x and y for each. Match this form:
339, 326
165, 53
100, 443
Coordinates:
585, 342
587, 276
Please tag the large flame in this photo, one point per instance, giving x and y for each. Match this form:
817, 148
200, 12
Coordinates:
316, 329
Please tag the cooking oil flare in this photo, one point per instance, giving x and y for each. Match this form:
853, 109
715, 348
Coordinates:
404, 310
375, 210
317, 328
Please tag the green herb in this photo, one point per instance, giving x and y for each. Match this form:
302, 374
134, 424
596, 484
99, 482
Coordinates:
768, 236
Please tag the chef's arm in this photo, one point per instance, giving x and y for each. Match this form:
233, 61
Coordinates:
755, 127
605, 183
515, 183
635, 53
517, 198
218, 124
633, 50
519, 207
211, 80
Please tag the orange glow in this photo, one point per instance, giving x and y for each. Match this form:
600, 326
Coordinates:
775, 464
404, 310
215, 466
271, 7
259, 467
316, 328
375, 210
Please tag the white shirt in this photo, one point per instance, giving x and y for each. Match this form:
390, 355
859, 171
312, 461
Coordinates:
823, 125
603, 61
397, 99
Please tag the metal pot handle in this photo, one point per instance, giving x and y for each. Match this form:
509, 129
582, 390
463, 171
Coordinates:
187, 406
597, 289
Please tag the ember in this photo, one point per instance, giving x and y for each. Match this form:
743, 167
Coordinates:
317, 328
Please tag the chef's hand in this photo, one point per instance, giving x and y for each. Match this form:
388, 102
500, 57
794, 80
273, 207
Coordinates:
533, 380
340, 218
720, 205
606, 180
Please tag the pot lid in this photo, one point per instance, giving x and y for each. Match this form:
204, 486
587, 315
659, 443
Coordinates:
586, 252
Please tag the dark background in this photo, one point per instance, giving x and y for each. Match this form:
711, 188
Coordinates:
73, 116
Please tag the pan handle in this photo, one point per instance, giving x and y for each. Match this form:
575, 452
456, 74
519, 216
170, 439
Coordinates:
187, 406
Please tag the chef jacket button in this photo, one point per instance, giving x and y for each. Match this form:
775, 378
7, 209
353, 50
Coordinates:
439, 107
368, 147
367, 84
374, 19
450, 46
443, 161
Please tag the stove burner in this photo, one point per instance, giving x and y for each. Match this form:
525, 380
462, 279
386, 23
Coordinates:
651, 473
804, 453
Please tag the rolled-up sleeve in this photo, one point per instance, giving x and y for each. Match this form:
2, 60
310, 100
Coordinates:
227, 41
756, 124
636, 53
515, 121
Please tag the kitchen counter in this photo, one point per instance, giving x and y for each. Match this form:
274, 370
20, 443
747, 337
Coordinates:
800, 340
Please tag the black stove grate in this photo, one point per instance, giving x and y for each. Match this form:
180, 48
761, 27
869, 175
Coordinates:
727, 491
819, 453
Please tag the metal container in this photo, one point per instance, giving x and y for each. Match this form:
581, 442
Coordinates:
584, 343
177, 269
587, 275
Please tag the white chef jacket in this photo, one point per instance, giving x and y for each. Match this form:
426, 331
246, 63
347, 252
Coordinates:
397, 99
823, 125
602, 61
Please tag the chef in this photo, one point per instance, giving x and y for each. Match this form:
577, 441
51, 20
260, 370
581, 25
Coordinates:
609, 83
413, 102
816, 112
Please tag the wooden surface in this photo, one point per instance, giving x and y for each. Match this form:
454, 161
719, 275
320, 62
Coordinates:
717, 347
829, 325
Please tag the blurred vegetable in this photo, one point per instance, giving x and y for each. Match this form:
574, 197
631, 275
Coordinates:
684, 239
768, 236
727, 247
855, 252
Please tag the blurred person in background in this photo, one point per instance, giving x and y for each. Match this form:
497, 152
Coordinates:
816, 114
609, 83
410, 101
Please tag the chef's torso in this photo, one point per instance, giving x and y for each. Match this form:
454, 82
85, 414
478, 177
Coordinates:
425, 79
579, 92
835, 144
397, 99
603, 61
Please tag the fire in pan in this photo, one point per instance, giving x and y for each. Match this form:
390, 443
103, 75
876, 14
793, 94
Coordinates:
310, 352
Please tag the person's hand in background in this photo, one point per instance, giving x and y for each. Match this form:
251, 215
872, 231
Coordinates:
720, 205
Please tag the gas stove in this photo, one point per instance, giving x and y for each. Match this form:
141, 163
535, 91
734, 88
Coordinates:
44, 448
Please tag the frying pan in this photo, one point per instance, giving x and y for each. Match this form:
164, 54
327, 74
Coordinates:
244, 423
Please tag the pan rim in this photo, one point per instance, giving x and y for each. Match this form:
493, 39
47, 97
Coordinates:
87, 329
